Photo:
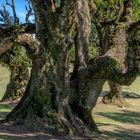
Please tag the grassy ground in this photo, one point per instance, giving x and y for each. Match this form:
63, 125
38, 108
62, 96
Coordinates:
4, 79
115, 123
120, 123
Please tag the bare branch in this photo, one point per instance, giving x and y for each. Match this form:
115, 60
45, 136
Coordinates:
29, 11
23, 28
16, 19
5, 16
23, 39
6, 44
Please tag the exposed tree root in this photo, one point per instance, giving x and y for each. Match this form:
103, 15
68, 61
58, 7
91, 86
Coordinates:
120, 102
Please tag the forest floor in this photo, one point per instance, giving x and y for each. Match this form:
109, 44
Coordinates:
115, 123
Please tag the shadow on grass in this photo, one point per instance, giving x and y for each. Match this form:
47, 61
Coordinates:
3, 116
30, 137
128, 117
122, 134
22, 137
4, 110
131, 95
5, 107
10, 132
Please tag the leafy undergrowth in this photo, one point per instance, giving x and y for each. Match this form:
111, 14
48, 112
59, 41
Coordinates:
115, 123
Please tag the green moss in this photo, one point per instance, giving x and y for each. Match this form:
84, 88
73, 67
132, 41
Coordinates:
43, 100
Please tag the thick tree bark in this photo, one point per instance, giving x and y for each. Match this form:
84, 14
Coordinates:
28, 106
34, 84
56, 108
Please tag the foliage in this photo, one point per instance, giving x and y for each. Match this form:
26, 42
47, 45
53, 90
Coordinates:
136, 13
15, 56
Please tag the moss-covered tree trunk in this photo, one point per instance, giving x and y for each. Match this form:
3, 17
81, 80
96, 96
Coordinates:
114, 96
62, 102
18, 81
106, 34
28, 106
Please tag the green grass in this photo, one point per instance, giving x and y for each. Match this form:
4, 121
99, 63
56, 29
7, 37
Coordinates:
4, 79
120, 123
134, 88
4, 109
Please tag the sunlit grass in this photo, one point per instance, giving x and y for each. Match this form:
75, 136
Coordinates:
4, 79
118, 122
135, 87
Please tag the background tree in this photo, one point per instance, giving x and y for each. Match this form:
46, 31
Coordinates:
18, 63
16, 58
107, 17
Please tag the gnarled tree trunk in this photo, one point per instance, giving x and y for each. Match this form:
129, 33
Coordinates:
66, 103
114, 96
